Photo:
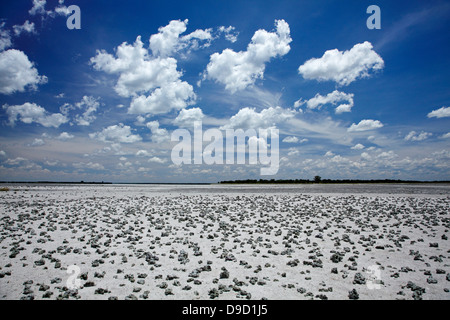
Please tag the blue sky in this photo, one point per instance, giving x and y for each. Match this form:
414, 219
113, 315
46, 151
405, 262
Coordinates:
100, 103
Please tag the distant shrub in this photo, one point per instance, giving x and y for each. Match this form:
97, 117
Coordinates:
4, 189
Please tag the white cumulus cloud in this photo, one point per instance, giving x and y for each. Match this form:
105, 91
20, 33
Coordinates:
248, 118
230, 33
143, 153
238, 70
64, 136
333, 98
31, 112
299, 103
358, 146
440, 113
153, 82
89, 105
414, 136
38, 7
175, 95
168, 41
85, 110
343, 67
26, 27
17, 72
138, 72
157, 160
5, 38
187, 117
159, 135
290, 139
62, 11
37, 142
116, 134
365, 125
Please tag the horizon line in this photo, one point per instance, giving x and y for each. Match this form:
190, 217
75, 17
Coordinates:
246, 181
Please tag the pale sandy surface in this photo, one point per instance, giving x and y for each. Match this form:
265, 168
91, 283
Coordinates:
225, 242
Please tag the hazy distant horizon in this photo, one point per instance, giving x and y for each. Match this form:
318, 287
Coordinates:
335, 182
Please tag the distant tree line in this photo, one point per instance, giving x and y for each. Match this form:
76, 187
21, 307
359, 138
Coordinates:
318, 179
